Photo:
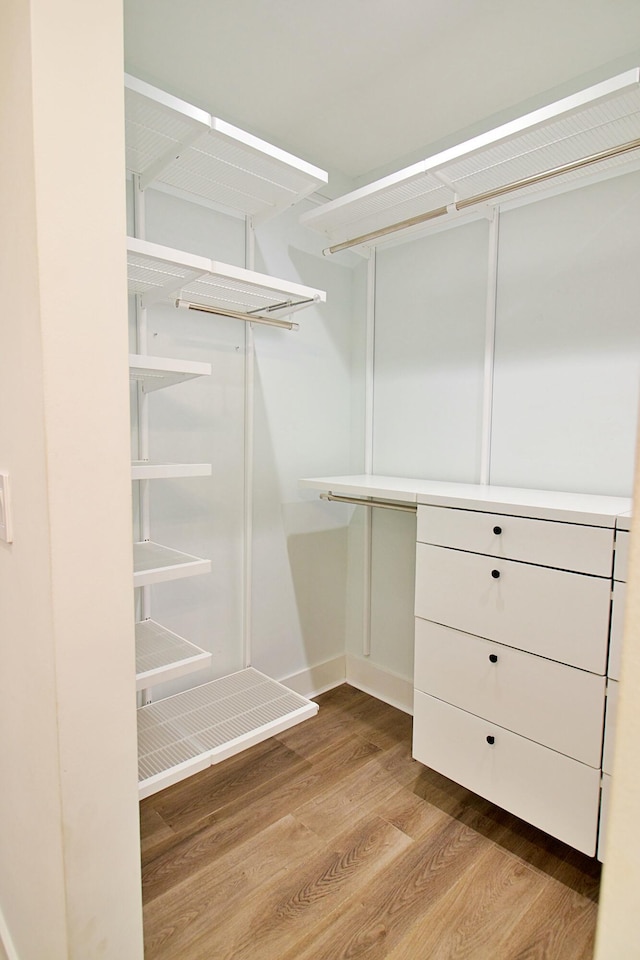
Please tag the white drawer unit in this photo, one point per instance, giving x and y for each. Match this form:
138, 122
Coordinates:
548, 702
513, 615
621, 562
555, 614
567, 546
610, 730
546, 788
617, 629
604, 814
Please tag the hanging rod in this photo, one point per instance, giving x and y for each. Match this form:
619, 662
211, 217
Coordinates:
459, 205
236, 315
360, 502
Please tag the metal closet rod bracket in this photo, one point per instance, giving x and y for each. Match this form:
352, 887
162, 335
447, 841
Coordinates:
236, 315
370, 502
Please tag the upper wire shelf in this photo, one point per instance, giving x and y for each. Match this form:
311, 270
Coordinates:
598, 128
172, 142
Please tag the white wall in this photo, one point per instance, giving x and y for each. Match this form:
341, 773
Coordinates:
568, 341
567, 368
69, 848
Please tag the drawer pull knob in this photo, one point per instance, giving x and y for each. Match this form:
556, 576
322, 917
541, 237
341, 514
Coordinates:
491, 740
495, 574
497, 531
493, 657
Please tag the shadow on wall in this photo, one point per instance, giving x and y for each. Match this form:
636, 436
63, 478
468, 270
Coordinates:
299, 582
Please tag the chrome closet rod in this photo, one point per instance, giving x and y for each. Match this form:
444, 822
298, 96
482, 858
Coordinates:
236, 315
360, 502
458, 205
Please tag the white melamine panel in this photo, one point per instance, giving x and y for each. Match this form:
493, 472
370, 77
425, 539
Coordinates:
429, 355
155, 373
560, 615
610, 727
155, 563
556, 705
621, 562
566, 546
604, 815
617, 629
545, 788
567, 353
162, 655
581, 508
152, 470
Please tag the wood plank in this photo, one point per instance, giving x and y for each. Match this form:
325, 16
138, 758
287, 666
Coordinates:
233, 824
423, 874
198, 797
559, 925
478, 915
290, 907
186, 912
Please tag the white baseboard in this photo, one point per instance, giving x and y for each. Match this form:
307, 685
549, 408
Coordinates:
380, 683
316, 680
7, 949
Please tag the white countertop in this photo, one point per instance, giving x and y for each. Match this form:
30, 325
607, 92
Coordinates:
547, 504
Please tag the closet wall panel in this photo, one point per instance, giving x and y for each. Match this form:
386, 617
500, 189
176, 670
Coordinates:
429, 355
303, 427
567, 357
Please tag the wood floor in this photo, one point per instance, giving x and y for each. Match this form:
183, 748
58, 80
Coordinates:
330, 842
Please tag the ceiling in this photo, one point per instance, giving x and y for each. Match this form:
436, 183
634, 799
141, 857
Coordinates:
361, 87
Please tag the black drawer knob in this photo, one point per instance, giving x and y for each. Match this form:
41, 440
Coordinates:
497, 531
491, 740
493, 657
495, 574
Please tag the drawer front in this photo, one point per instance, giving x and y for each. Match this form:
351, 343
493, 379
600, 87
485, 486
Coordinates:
604, 815
559, 615
621, 564
566, 546
617, 629
545, 788
558, 706
610, 726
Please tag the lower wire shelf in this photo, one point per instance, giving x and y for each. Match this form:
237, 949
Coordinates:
190, 731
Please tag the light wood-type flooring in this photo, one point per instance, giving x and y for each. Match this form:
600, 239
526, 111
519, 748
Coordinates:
329, 842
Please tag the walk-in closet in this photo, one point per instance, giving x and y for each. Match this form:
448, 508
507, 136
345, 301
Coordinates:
319, 393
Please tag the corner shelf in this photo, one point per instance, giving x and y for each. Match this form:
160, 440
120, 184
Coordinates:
175, 143
600, 118
162, 655
155, 373
184, 734
158, 273
155, 470
154, 563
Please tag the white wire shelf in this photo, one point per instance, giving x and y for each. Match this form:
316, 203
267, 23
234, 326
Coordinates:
158, 273
186, 733
155, 563
596, 120
172, 142
155, 470
155, 373
162, 655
